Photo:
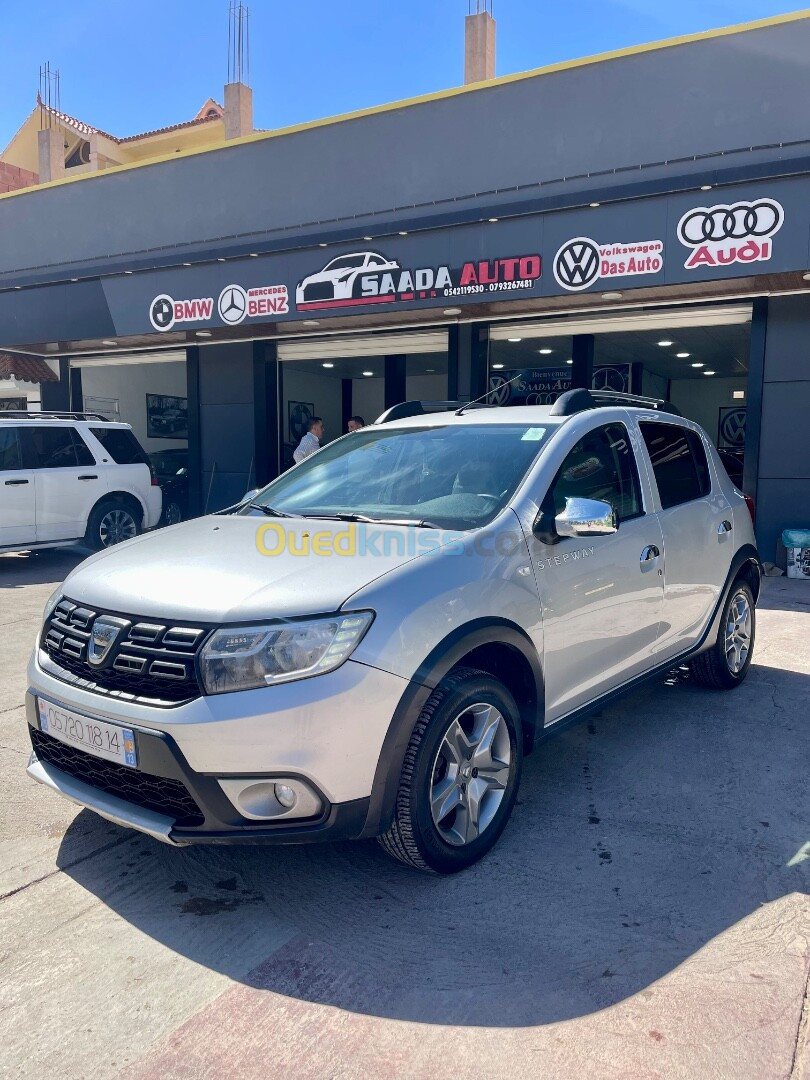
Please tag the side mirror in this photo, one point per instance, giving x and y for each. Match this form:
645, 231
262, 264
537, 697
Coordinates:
586, 517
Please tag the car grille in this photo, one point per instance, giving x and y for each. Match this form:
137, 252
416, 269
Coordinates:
159, 793
319, 290
152, 663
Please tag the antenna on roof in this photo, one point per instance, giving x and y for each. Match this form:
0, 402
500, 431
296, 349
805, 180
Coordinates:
238, 42
50, 94
478, 7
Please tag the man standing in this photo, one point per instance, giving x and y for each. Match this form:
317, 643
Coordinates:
355, 423
311, 442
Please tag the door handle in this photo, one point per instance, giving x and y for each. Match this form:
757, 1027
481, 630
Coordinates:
723, 528
15, 483
93, 477
649, 553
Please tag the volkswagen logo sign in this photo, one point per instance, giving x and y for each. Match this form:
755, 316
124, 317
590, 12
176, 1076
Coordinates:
576, 264
500, 390
232, 304
106, 631
732, 427
161, 312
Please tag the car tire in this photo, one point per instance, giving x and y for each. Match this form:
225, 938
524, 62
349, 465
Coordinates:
172, 513
111, 522
469, 717
726, 664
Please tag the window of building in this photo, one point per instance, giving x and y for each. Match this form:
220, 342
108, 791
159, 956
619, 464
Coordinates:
601, 466
678, 461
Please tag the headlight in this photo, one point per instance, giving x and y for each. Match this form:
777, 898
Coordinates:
52, 601
245, 657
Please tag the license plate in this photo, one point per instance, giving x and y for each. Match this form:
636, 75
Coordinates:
95, 737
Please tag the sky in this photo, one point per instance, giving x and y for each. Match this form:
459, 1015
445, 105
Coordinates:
132, 65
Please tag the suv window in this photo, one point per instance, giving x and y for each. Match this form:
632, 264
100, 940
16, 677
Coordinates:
678, 461
10, 455
602, 466
58, 448
121, 445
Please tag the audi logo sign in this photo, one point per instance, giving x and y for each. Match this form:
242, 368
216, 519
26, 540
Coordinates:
728, 233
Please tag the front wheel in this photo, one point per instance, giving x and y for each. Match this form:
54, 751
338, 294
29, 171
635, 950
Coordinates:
460, 776
726, 664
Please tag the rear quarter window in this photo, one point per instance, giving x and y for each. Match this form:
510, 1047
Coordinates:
121, 445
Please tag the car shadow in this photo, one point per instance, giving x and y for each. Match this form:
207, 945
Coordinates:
51, 565
638, 837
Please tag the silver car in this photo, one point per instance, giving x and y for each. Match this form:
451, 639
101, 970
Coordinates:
371, 645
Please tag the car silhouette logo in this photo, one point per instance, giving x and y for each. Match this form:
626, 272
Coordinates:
232, 304
161, 313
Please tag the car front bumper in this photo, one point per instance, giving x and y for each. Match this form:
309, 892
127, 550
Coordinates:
326, 732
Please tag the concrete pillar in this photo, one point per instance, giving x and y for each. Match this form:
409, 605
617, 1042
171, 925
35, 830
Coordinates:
479, 47
238, 110
51, 150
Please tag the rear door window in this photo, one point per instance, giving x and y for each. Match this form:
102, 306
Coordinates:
57, 448
121, 445
679, 463
10, 453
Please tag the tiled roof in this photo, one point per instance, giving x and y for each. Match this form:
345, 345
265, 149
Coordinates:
26, 369
81, 128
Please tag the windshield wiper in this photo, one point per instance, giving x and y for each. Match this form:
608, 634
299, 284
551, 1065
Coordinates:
366, 520
269, 510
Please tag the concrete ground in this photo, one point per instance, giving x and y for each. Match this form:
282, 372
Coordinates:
645, 915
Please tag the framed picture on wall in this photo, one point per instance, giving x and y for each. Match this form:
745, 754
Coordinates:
166, 417
299, 413
106, 407
731, 428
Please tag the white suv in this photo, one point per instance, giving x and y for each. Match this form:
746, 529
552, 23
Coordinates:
371, 644
72, 477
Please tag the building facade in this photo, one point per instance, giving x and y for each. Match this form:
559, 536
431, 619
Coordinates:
636, 221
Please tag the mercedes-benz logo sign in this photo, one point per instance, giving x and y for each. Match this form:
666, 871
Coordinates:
232, 304
736, 221
161, 313
576, 264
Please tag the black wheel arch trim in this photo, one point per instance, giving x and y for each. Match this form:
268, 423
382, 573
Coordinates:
446, 655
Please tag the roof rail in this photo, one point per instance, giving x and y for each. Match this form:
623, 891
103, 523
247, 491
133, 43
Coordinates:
47, 414
575, 401
422, 408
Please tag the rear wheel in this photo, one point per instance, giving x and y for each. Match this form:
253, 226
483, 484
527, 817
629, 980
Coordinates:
460, 776
172, 513
111, 523
726, 664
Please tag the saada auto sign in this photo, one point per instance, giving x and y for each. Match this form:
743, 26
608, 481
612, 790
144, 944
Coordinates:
727, 233
370, 277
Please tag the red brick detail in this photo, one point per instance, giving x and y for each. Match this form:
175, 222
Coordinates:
12, 178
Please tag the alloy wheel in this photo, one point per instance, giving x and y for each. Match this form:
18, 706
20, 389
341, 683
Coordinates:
470, 774
116, 526
738, 633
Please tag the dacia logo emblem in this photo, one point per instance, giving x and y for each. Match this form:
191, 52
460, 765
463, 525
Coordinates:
106, 631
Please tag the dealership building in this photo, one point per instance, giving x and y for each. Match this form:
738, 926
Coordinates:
637, 221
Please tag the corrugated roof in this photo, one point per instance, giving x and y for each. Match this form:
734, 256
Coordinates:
81, 128
26, 369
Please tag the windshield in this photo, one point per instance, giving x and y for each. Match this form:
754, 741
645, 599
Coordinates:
346, 262
458, 476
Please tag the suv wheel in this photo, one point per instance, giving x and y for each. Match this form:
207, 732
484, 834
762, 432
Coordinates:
460, 775
111, 523
172, 513
726, 664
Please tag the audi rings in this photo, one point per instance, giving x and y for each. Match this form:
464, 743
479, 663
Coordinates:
737, 221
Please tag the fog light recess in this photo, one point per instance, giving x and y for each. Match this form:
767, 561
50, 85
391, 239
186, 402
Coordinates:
266, 800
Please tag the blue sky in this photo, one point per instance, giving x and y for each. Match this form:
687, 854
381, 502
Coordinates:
131, 65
